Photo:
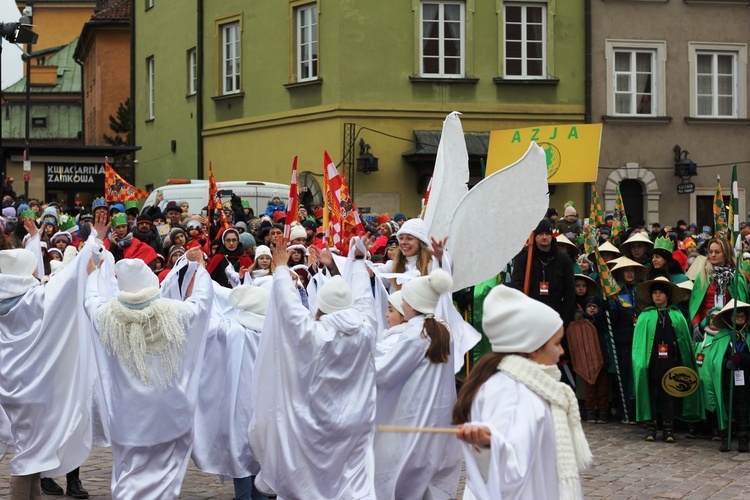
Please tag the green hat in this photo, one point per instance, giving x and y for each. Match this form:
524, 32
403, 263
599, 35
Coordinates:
28, 214
66, 222
119, 220
245, 204
131, 205
664, 243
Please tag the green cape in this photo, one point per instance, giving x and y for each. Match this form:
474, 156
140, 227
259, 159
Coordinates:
700, 289
713, 348
691, 408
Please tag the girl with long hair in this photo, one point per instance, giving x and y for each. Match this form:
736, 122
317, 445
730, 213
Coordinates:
416, 387
522, 423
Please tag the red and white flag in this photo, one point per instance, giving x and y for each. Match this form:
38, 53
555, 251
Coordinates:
292, 206
214, 202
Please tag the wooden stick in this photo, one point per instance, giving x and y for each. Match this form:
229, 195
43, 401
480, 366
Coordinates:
431, 430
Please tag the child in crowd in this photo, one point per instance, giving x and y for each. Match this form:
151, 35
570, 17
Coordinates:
513, 405
736, 370
661, 341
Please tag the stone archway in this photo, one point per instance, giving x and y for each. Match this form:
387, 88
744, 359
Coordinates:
651, 191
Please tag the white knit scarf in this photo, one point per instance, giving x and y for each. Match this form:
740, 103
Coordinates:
571, 448
147, 341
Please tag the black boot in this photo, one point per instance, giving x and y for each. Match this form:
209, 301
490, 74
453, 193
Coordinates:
725, 444
668, 434
651, 430
75, 488
743, 446
50, 487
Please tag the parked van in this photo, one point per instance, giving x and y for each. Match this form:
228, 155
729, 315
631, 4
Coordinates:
195, 192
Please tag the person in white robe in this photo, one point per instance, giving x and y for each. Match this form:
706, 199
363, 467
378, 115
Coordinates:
314, 387
149, 353
520, 425
45, 389
416, 388
224, 406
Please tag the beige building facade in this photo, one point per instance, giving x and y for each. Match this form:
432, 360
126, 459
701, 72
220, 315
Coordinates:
670, 83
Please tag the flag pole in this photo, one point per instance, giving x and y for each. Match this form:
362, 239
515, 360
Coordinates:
529, 264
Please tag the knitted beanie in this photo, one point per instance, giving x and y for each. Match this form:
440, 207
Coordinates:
247, 241
415, 227
262, 250
544, 227
423, 293
17, 262
298, 232
334, 295
396, 300
136, 281
515, 323
250, 298
570, 211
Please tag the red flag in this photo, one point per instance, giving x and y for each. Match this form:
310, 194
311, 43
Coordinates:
332, 211
116, 189
351, 223
214, 202
292, 206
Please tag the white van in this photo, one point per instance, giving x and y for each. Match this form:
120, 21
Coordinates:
195, 192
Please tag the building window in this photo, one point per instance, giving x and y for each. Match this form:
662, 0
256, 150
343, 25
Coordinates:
635, 78
442, 39
150, 86
149, 4
230, 58
526, 40
718, 83
307, 42
192, 64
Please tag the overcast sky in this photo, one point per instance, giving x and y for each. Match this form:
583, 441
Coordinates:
12, 66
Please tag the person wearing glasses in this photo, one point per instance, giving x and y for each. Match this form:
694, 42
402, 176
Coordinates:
229, 253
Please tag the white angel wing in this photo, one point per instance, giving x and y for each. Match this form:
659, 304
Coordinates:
450, 178
494, 219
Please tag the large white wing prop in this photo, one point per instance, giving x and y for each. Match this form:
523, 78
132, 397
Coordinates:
450, 178
493, 221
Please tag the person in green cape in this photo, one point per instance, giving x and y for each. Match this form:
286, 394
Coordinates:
714, 285
709, 357
736, 369
661, 341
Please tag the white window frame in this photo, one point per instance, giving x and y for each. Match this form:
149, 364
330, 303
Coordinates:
192, 62
231, 54
149, 4
659, 71
311, 63
524, 42
441, 39
739, 53
150, 83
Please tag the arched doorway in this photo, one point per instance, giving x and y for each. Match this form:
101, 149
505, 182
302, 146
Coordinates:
647, 191
632, 198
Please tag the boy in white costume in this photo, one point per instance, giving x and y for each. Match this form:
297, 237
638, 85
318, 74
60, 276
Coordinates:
524, 425
45, 389
416, 388
314, 387
149, 353
224, 402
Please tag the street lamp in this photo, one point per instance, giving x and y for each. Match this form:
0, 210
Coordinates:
19, 32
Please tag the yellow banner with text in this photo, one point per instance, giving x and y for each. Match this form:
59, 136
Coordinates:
572, 150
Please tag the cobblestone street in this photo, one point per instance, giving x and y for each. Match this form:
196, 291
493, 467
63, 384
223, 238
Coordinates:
625, 466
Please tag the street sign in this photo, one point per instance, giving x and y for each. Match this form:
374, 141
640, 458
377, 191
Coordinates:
26, 176
685, 188
27, 165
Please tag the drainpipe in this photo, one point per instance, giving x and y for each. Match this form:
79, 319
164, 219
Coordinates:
199, 92
131, 141
587, 15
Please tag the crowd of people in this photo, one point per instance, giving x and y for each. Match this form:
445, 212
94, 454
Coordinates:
272, 359
681, 301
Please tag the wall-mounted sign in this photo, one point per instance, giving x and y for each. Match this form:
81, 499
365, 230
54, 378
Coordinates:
74, 176
685, 188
